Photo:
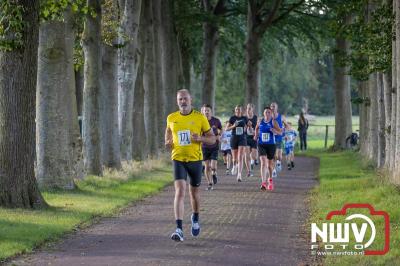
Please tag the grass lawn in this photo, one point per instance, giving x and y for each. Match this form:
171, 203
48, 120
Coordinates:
345, 179
23, 230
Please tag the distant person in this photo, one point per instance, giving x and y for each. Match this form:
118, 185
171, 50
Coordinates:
289, 136
265, 133
251, 149
186, 130
302, 128
238, 123
226, 148
210, 152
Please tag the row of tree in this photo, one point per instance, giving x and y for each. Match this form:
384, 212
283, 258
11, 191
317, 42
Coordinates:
368, 51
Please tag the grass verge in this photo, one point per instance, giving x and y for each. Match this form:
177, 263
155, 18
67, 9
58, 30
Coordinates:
23, 230
345, 178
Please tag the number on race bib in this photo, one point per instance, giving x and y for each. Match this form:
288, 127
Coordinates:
265, 137
250, 131
184, 137
239, 131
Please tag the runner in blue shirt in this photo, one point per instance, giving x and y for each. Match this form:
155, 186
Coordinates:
265, 132
226, 147
278, 138
289, 136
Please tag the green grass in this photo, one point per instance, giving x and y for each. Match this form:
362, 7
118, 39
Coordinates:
344, 178
23, 230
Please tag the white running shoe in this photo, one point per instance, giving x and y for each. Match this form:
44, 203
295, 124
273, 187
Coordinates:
234, 170
274, 174
278, 166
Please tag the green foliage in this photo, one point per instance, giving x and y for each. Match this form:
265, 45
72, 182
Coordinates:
368, 27
54, 9
110, 22
11, 25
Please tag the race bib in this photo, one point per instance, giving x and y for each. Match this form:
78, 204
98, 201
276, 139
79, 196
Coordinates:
239, 131
250, 131
290, 138
265, 137
184, 137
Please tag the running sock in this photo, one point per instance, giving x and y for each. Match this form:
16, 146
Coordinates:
195, 217
179, 224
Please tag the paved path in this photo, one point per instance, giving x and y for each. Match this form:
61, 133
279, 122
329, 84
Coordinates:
241, 225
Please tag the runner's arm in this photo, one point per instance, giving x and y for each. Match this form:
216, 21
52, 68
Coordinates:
277, 130
208, 138
256, 130
168, 138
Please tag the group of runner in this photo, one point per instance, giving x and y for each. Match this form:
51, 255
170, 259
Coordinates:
194, 138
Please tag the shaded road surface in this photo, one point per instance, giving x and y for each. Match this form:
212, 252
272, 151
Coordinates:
241, 225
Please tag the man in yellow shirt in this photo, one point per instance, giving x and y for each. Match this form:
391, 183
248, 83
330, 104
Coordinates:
186, 130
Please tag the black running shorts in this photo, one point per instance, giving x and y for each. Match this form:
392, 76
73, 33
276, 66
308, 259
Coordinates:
237, 141
193, 169
226, 152
210, 154
267, 150
251, 142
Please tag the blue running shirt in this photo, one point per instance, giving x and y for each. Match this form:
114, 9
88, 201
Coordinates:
290, 136
278, 119
265, 133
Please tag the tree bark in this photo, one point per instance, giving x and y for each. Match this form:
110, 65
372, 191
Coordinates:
18, 69
363, 87
343, 112
253, 57
109, 109
91, 40
58, 142
169, 54
160, 95
129, 65
394, 95
396, 172
150, 102
373, 119
387, 105
79, 84
381, 121
210, 50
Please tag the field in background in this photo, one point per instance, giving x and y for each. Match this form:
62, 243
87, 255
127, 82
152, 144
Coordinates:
317, 129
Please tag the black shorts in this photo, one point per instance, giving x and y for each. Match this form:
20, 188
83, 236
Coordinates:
193, 169
237, 141
226, 152
267, 149
251, 142
210, 154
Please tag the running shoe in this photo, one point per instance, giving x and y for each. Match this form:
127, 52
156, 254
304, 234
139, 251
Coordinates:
292, 163
195, 227
234, 170
215, 179
209, 187
278, 166
251, 173
270, 186
248, 174
289, 166
263, 186
274, 174
177, 235
227, 171
239, 178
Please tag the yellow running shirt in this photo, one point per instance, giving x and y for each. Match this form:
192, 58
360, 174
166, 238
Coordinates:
182, 127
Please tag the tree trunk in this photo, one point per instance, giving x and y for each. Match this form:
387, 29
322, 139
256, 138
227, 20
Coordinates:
128, 61
394, 95
363, 87
150, 103
160, 95
58, 142
396, 172
110, 141
252, 71
79, 84
91, 40
387, 105
343, 124
381, 121
210, 44
373, 118
170, 64
185, 67
18, 69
